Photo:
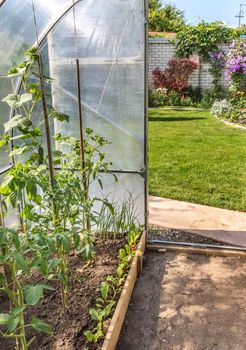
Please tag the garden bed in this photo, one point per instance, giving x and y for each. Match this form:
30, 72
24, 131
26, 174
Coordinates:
86, 278
186, 304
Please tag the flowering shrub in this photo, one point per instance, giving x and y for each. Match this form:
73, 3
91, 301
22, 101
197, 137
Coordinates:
217, 65
236, 72
236, 62
176, 75
221, 108
157, 97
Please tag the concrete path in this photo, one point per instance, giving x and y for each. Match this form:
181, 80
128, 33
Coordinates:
222, 225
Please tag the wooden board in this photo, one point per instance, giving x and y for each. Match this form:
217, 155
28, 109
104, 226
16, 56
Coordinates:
113, 333
192, 250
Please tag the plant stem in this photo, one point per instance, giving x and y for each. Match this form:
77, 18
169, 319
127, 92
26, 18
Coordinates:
22, 321
20, 302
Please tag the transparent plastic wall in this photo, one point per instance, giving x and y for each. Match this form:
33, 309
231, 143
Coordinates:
17, 34
107, 36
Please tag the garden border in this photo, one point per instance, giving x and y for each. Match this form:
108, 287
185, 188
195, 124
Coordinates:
114, 330
197, 249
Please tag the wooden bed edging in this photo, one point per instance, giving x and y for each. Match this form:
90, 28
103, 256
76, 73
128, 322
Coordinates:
192, 250
114, 330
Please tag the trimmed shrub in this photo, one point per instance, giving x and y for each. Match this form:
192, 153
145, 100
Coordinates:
175, 76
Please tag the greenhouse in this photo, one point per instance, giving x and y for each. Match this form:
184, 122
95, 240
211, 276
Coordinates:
111, 70
73, 151
88, 259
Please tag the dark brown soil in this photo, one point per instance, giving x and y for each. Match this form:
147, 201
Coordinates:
85, 279
187, 302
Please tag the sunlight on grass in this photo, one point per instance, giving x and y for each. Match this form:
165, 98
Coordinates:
195, 157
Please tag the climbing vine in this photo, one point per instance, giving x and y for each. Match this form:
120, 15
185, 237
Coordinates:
203, 39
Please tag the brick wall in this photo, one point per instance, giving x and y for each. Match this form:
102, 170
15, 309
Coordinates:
161, 50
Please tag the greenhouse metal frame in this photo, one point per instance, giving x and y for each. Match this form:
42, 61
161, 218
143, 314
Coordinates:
119, 59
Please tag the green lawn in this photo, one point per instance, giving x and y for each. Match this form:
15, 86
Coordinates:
196, 158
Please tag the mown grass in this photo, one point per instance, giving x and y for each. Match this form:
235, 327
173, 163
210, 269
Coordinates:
195, 157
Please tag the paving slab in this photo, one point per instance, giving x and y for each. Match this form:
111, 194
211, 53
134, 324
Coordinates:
220, 224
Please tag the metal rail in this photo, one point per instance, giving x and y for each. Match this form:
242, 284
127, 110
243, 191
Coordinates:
145, 170
195, 245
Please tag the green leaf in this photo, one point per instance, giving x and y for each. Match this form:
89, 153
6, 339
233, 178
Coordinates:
21, 137
57, 115
87, 250
18, 151
27, 210
41, 326
12, 72
3, 142
6, 181
46, 286
14, 100
35, 91
37, 199
4, 318
108, 309
51, 244
53, 264
122, 253
104, 290
33, 293
18, 310
89, 336
21, 262
120, 270
31, 189
66, 243
13, 323
13, 122
94, 315
57, 156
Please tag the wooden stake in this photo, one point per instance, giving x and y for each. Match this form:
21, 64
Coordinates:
46, 121
82, 146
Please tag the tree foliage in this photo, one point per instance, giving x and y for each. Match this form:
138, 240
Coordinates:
167, 18
203, 39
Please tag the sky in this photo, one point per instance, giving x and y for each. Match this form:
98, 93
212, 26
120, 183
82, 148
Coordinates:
210, 10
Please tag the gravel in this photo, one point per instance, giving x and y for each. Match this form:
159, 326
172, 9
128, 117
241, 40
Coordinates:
165, 234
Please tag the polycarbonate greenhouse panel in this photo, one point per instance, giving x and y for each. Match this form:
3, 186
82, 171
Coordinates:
109, 43
17, 27
128, 188
17, 34
108, 38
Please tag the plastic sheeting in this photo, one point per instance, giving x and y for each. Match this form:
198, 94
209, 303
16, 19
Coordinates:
109, 43
17, 34
107, 36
